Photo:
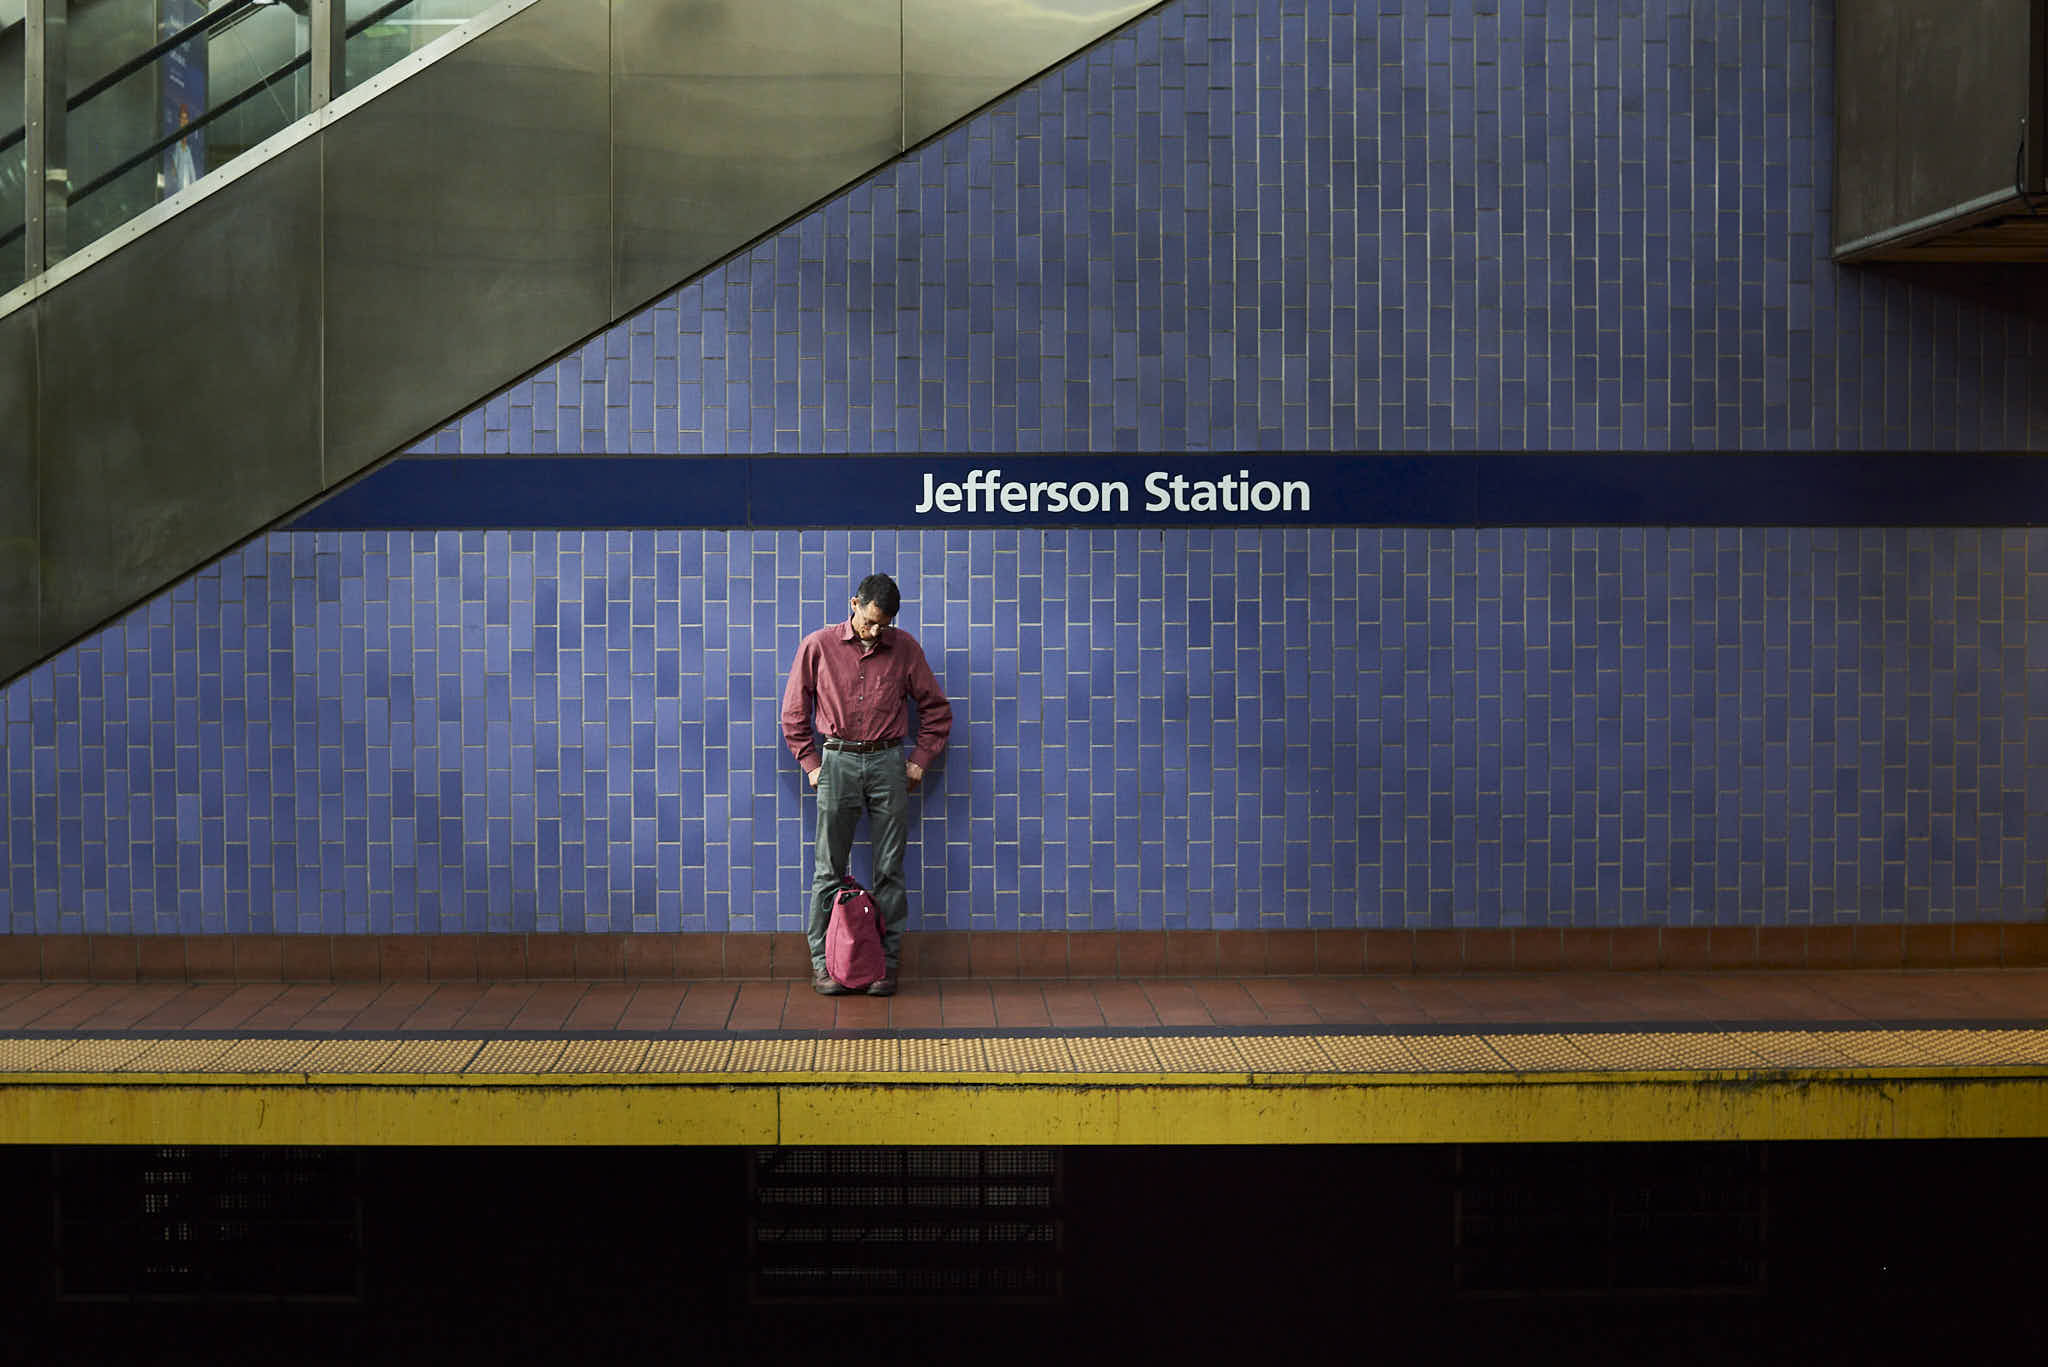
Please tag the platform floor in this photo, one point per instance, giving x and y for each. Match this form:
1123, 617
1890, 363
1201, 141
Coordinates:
1558, 1056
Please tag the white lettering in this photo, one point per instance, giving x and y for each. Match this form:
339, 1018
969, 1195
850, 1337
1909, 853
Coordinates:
949, 498
1013, 498
1290, 489
1162, 499
1083, 497
925, 506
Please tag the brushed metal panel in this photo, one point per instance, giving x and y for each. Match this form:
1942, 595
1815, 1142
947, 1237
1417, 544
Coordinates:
1866, 110
20, 547
180, 393
468, 230
1962, 93
730, 117
960, 54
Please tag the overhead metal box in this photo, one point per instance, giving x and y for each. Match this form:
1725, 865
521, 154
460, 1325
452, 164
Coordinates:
1941, 124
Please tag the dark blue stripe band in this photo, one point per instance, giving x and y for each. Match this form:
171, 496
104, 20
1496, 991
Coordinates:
1572, 489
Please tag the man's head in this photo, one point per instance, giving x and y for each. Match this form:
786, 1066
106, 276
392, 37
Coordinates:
874, 606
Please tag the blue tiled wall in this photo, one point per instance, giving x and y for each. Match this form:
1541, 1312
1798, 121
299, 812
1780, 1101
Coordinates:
577, 731
1450, 225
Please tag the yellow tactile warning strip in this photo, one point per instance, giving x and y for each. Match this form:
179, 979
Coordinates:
993, 1058
1193, 1087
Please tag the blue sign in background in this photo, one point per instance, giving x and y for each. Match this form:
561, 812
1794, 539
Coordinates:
1695, 489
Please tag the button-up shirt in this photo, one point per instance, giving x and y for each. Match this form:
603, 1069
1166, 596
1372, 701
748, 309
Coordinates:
860, 690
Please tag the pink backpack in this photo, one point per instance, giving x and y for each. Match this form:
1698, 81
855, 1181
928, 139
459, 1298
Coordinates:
853, 938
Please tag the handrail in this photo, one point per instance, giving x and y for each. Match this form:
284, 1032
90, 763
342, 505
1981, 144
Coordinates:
199, 27
171, 139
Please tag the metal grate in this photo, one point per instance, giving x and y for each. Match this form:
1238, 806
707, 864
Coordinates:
904, 1224
208, 1224
1610, 1219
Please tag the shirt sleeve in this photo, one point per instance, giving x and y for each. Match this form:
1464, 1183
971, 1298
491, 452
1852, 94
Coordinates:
934, 713
797, 699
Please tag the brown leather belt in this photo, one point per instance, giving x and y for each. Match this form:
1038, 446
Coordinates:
862, 747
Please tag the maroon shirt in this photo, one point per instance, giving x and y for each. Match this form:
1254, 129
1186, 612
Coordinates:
859, 691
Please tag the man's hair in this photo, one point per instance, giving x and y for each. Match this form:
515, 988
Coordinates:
880, 590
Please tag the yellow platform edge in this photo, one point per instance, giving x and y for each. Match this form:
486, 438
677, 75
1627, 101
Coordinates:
769, 1109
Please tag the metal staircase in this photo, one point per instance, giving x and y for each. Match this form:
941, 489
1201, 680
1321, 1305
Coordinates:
195, 350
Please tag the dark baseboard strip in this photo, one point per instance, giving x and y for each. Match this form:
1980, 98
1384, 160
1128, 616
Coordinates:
1042, 955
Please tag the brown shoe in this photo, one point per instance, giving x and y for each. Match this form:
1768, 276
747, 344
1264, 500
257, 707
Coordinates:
883, 987
825, 985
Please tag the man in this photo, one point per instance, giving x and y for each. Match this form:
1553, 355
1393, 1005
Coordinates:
858, 675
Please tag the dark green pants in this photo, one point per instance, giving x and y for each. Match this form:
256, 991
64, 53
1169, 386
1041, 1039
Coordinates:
848, 786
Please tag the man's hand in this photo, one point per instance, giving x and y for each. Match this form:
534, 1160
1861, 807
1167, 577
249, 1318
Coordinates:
916, 775
813, 776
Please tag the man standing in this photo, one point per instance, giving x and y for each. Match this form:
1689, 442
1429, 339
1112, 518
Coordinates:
858, 675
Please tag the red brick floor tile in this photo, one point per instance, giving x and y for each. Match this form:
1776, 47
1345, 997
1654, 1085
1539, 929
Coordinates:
1781, 947
209, 959
1489, 951
1227, 1002
1538, 949
708, 1006
1830, 946
700, 958
376, 1006
1019, 1004
1043, 954
600, 957
500, 958
239, 1005
1880, 947
1292, 953
1192, 954
187, 1007
1584, 950
1685, 949
1632, 948
10, 993
1091, 954
1976, 946
944, 954
653, 1006
992, 953
499, 1005
1072, 1004
601, 1005
289, 1009
650, 957
1334, 1001
162, 958
401, 958
306, 958
759, 1006
550, 1006
258, 958
1432, 951
749, 955
1341, 952
21, 957
1124, 1004
1282, 1000
1140, 953
1389, 1000
916, 1006
1757, 997
131, 1006
966, 1005
112, 958
1930, 946
357, 958
452, 958
861, 1012
804, 1009
444, 1007
66, 958
25, 1011
81, 1007
1732, 948
550, 956
1177, 1001
789, 954
1243, 953
2021, 947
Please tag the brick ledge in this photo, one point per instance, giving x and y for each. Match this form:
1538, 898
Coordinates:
1017, 954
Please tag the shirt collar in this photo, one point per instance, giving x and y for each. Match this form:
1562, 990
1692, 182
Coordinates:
881, 642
